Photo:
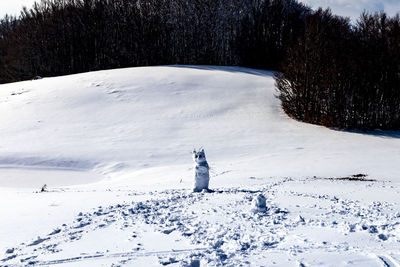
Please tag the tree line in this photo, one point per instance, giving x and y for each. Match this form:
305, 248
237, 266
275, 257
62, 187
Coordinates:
342, 75
329, 71
57, 37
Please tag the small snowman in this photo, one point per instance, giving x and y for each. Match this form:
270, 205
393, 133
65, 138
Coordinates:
201, 173
259, 204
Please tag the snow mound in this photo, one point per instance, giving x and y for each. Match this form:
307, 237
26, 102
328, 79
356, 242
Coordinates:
118, 122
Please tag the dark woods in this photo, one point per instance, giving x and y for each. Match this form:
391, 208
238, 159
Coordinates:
331, 72
68, 36
344, 76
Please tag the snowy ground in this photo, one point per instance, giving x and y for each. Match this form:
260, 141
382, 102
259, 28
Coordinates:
114, 149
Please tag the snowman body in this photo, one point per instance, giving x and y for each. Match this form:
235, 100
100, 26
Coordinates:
201, 171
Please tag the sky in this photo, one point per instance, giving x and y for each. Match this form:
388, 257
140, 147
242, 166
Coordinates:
348, 8
353, 8
13, 7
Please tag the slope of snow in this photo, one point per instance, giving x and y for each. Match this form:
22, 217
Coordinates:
114, 149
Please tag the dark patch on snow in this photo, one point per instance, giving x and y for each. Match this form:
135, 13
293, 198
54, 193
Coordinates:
38, 241
382, 237
10, 250
355, 177
55, 231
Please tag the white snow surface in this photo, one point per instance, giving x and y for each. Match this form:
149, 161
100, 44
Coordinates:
114, 148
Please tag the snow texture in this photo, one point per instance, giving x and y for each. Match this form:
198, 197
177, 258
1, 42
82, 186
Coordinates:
112, 148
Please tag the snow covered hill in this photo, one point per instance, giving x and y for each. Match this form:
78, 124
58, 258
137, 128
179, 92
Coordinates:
114, 149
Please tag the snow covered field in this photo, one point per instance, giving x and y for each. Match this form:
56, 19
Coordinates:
114, 148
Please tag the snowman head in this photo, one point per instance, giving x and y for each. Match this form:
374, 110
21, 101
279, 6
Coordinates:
199, 156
